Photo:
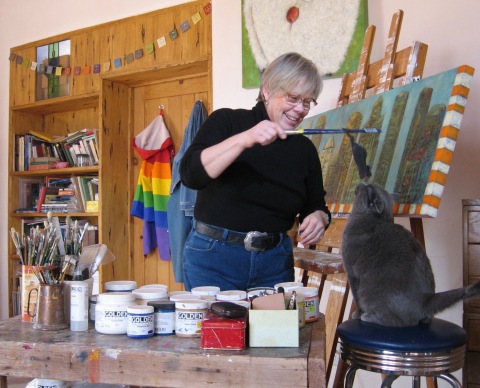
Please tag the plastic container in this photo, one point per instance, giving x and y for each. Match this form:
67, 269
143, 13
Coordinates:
205, 290
120, 286
164, 317
312, 302
155, 286
140, 321
148, 294
178, 297
111, 312
79, 306
232, 295
189, 315
46, 383
176, 293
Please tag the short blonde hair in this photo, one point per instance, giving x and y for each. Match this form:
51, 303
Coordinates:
288, 72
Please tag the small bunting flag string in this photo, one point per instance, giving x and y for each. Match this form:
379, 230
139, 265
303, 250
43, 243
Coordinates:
117, 62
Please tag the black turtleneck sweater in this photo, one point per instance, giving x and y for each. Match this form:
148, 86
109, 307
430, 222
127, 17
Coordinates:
265, 188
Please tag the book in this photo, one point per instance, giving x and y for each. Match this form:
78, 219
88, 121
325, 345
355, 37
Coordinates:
42, 135
29, 191
44, 191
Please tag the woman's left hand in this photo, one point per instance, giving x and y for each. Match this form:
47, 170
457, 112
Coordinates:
313, 227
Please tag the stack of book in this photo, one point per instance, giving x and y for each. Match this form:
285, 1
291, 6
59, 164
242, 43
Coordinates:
42, 163
32, 146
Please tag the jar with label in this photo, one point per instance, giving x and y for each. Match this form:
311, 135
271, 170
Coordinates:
288, 286
232, 295
111, 312
78, 306
163, 317
91, 312
120, 286
140, 321
145, 295
189, 315
155, 286
175, 298
312, 302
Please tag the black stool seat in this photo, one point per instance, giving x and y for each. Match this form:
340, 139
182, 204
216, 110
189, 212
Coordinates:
433, 349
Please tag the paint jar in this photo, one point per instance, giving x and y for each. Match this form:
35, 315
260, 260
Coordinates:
140, 321
120, 286
111, 312
312, 303
205, 290
177, 293
93, 304
155, 286
145, 295
189, 315
288, 286
232, 295
46, 383
163, 317
178, 297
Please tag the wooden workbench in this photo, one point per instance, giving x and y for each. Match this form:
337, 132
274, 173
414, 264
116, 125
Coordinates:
166, 361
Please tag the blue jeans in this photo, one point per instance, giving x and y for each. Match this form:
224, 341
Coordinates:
211, 262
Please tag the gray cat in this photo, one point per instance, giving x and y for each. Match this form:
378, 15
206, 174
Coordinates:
389, 273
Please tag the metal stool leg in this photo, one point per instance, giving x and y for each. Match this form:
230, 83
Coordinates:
388, 380
350, 376
451, 379
416, 381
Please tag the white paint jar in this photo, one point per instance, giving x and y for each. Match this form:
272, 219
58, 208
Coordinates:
140, 321
46, 383
111, 312
232, 295
205, 290
120, 286
189, 315
145, 295
288, 286
78, 306
312, 303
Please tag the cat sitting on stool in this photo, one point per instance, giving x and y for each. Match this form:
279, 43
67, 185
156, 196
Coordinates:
389, 273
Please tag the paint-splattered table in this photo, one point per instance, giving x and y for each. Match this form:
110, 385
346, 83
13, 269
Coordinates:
166, 361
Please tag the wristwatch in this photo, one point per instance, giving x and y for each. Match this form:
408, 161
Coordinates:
327, 217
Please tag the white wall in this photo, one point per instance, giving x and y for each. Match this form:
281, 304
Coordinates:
449, 28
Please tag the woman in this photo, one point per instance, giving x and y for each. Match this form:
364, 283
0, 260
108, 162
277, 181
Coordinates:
252, 181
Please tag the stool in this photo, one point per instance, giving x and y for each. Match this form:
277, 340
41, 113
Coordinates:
433, 350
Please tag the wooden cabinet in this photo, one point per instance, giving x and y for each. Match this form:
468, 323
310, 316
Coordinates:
471, 274
119, 101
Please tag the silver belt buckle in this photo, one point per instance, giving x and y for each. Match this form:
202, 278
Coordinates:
249, 239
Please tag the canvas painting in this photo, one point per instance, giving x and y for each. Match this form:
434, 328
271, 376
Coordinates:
410, 157
329, 32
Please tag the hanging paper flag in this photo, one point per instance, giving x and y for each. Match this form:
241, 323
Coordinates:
49, 70
161, 41
129, 58
106, 66
117, 62
138, 53
42, 68
173, 34
77, 70
196, 18
185, 26
12, 56
67, 70
150, 48
19, 60
26, 62
207, 8
87, 69
96, 68
58, 71
33, 66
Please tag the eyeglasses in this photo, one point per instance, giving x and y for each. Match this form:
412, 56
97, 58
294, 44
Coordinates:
295, 100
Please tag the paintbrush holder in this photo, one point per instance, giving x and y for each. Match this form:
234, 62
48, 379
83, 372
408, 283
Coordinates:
50, 311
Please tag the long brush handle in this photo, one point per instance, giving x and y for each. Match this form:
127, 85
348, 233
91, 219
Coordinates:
313, 131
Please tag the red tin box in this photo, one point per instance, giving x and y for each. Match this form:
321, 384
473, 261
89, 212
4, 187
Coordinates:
223, 333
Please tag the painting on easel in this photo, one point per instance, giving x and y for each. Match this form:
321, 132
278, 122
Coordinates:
411, 155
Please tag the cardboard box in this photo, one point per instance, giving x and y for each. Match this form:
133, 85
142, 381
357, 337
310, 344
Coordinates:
223, 333
273, 328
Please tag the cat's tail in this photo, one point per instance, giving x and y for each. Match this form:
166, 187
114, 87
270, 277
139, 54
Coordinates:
442, 300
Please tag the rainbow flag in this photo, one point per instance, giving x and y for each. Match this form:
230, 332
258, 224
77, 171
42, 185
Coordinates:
155, 147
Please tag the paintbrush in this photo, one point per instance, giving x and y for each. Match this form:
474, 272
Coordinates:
314, 131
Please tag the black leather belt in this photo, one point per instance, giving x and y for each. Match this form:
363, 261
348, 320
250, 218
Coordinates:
252, 241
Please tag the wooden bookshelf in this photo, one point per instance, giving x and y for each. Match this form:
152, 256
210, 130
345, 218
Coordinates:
119, 103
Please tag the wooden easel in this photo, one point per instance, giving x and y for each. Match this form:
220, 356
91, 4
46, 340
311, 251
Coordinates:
398, 68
